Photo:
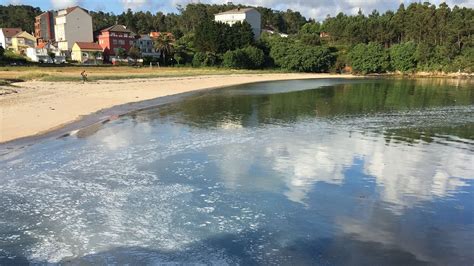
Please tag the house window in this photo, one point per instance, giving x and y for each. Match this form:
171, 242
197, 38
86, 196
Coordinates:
114, 42
131, 42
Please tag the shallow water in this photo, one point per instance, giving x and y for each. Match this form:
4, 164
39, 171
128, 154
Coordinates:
331, 172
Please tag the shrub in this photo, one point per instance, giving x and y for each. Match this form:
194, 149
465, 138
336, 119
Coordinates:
201, 59
369, 58
249, 57
301, 57
403, 56
235, 59
255, 57
463, 62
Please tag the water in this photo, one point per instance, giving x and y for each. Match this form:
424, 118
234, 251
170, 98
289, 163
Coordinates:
330, 172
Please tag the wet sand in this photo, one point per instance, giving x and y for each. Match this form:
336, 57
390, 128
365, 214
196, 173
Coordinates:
40, 107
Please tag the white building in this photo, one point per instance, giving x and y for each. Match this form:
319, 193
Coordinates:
250, 15
43, 52
72, 25
145, 44
6, 35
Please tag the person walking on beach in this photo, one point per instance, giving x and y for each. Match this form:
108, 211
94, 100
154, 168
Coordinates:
84, 76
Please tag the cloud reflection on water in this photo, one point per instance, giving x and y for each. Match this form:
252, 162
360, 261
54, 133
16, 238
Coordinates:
166, 182
405, 174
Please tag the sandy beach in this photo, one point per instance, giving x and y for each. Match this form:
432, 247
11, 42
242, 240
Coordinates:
39, 106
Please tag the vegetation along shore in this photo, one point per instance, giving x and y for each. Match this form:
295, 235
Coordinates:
420, 37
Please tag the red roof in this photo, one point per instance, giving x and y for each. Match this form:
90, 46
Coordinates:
89, 46
10, 32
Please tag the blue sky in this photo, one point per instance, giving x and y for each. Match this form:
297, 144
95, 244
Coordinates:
317, 9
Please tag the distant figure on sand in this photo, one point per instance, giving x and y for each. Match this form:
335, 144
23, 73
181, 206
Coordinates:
84, 76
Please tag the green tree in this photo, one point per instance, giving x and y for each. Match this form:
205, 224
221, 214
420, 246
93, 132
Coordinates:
300, 57
122, 53
134, 53
164, 44
369, 58
255, 57
403, 56
96, 55
311, 28
204, 59
52, 56
19, 16
2, 52
249, 57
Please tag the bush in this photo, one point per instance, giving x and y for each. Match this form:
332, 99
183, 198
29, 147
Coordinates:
256, 57
207, 59
403, 56
149, 59
463, 62
11, 57
300, 57
249, 57
369, 58
235, 59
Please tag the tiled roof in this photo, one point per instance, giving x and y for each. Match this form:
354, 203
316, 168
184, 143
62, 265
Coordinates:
10, 32
70, 9
89, 46
117, 28
237, 11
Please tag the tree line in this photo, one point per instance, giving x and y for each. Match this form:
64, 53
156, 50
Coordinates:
418, 37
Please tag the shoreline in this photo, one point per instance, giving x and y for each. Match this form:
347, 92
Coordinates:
43, 109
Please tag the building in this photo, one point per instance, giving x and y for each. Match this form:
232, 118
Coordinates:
43, 54
250, 15
146, 46
44, 26
87, 52
73, 25
6, 35
114, 38
22, 41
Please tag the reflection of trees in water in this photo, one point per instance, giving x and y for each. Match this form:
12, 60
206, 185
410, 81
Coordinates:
353, 100
413, 135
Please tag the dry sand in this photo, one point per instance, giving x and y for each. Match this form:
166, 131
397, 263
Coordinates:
40, 106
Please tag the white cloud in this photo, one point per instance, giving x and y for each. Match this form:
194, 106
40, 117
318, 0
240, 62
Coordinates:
58, 4
320, 9
14, 2
136, 4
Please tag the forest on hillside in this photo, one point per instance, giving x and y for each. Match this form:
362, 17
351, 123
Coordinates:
417, 37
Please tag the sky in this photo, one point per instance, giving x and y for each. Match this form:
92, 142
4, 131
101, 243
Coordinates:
317, 9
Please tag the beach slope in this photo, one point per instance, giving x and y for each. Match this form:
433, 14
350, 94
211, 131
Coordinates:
39, 106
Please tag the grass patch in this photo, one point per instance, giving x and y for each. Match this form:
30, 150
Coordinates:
4, 83
72, 73
34, 76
